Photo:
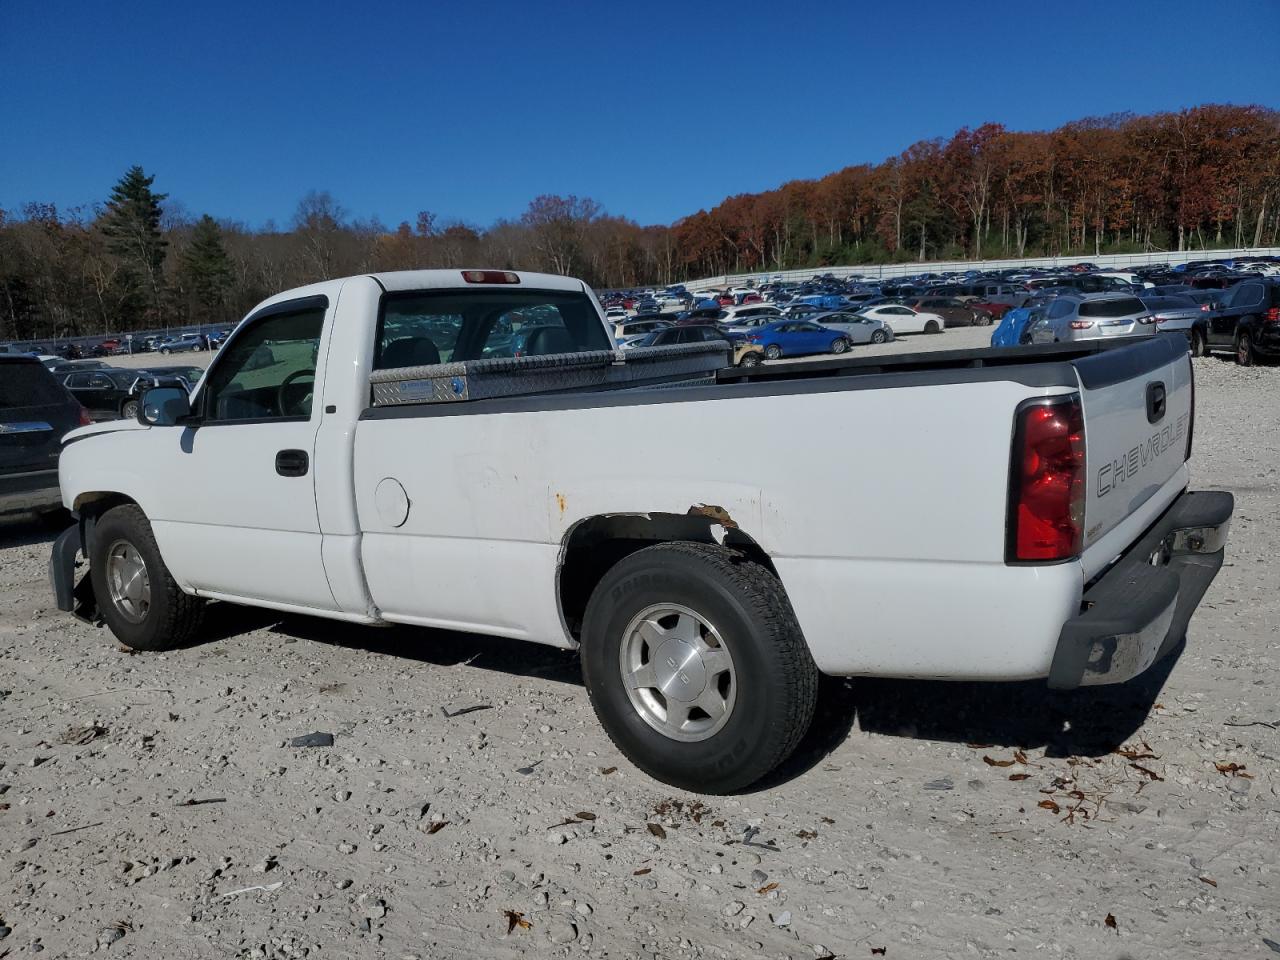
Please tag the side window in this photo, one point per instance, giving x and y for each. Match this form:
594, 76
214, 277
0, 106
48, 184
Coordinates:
77, 381
268, 372
98, 381
1250, 295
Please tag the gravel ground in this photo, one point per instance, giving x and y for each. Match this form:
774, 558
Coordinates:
469, 806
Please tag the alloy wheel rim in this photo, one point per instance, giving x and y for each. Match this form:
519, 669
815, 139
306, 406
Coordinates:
678, 673
128, 582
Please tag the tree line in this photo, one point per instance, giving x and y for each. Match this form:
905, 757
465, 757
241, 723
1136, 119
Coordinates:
1200, 178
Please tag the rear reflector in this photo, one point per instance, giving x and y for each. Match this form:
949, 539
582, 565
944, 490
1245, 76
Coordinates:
490, 276
1272, 315
1047, 482
85, 419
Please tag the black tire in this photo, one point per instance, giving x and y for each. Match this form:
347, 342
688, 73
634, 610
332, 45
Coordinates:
129, 410
1199, 348
775, 678
879, 336
932, 327
165, 350
772, 352
172, 618
750, 360
839, 345
1246, 356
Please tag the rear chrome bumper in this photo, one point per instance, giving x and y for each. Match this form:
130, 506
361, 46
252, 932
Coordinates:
1138, 610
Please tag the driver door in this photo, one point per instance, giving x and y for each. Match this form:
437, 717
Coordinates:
239, 519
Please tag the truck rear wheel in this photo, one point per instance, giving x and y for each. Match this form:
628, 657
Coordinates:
137, 597
696, 666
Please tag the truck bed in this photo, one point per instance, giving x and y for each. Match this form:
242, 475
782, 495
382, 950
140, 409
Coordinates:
568, 380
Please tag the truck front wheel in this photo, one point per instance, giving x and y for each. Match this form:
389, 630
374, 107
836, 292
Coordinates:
137, 597
696, 666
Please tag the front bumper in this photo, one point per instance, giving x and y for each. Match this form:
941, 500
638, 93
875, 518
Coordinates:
31, 492
1138, 610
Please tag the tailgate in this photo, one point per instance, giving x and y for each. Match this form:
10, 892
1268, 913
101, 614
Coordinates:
1137, 416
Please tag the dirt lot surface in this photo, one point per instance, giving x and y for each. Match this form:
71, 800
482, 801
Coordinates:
469, 805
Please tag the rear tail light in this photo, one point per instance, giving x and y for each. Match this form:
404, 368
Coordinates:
1081, 324
1191, 418
1147, 319
1272, 315
490, 276
84, 418
1047, 482
1205, 308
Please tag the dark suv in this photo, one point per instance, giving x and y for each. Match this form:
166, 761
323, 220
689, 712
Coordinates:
1247, 323
35, 411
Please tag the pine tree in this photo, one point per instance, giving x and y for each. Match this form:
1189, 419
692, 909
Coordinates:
131, 225
206, 268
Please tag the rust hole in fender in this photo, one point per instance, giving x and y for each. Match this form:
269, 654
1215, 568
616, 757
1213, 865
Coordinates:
712, 512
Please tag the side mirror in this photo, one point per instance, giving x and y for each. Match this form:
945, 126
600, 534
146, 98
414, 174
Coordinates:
164, 407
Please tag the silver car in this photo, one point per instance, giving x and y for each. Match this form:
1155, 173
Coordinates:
1093, 316
857, 328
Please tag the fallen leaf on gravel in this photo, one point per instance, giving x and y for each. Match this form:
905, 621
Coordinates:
1233, 770
516, 919
79, 736
437, 826
1019, 776
771, 885
806, 835
1211, 882
827, 820
879, 951
1143, 770
1133, 753
585, 815
1020, 757
608, 770
979, 746
993, 762
1049, 805
657, 831
1110, 921
642, 871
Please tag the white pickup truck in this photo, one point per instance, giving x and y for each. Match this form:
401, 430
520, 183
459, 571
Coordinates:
467, 450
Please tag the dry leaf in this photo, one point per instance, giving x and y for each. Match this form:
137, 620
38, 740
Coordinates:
1233, 770
771, 885
979, 746
827, 820
1143, 770
642, 871
657, 831
806, 834
1020, 757
1110, 921
1019, 776
1049, 805
1132, 753
879, 951
437, 826
1210, 882
516, 919
992, 762
585, 815
608, 770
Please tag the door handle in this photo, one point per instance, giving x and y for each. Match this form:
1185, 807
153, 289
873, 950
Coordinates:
292, 463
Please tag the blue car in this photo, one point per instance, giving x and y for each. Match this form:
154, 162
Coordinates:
797, 338
1012, 326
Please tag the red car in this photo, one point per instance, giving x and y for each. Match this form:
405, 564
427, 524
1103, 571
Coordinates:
751, 298
993, 310
725, 300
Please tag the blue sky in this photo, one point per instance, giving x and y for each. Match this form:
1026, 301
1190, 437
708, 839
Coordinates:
654, 109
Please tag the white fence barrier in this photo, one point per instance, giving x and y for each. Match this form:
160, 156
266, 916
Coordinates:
883, 271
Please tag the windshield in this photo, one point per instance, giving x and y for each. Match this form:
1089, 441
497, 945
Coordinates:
28, 385
1122, 307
